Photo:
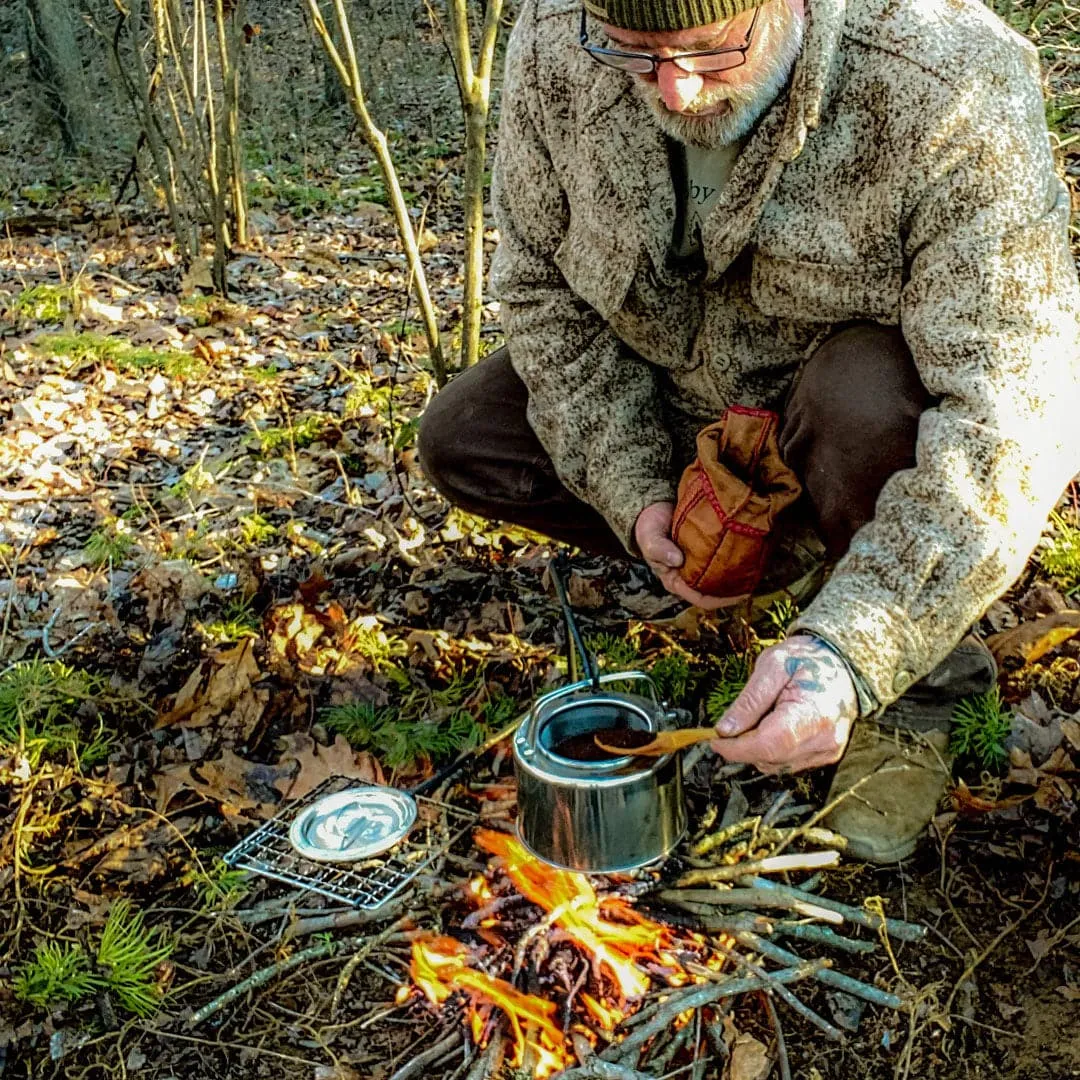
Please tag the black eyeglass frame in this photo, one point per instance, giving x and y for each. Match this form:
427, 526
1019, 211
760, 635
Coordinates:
597, 52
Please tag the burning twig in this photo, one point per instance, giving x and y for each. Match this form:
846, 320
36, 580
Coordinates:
778, 864
431, 1056
490, 1061
471, 922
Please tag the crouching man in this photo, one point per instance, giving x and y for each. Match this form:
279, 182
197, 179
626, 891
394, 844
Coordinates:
841, 220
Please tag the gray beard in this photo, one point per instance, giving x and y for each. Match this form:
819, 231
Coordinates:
747, 105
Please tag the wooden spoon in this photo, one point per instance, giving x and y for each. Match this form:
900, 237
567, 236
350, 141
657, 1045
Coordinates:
651, 744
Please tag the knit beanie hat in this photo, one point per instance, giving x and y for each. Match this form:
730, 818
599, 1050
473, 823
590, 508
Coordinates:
656, 15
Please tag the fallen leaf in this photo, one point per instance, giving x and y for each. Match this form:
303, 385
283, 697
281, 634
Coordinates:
318, 763
238, 786
585, 594
140, 853
749, 1059
1069, 993
968, 803
1040, 945
1071, 730
1030, 641
223, 694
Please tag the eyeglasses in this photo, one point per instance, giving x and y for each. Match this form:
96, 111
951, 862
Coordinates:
639, 63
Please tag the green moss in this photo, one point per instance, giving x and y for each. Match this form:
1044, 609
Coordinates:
86, 349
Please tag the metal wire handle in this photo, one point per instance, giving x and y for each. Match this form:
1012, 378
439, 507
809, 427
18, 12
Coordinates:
576, 647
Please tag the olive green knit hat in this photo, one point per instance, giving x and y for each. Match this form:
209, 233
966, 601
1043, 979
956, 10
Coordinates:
656, 15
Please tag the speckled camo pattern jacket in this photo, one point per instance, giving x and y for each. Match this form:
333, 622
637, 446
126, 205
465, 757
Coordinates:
904, 177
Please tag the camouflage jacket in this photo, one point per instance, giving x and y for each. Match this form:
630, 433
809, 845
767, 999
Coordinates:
905, 177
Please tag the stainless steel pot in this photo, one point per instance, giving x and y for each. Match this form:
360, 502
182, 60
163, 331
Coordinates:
597, 816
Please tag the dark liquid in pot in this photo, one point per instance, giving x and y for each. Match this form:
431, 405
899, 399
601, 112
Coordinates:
583, 747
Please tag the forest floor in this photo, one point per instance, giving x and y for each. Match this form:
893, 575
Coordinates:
225, 578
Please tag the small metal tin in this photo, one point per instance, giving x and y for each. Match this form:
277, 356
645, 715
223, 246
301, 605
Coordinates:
597, 816
353, 824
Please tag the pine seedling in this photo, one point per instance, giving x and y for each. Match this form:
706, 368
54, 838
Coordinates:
218, 888
980, 726
732, 673
58, 971
614, 652
128, 957
108, 545
399, 740
673, 677
38, 704
1060, 559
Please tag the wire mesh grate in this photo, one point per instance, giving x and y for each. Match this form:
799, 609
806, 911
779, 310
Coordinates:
368, 884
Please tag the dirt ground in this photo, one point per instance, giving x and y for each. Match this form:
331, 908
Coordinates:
218, 550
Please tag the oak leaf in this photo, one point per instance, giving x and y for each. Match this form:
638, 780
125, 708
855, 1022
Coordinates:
317, 763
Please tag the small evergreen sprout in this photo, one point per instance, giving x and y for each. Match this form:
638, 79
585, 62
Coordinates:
673, 677
614, 652
39, 702
128, 957
732, 673
1060, 559
57, 972
980, 726
109, 545
400, 740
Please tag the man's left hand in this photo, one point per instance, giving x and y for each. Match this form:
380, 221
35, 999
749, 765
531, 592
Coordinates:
795, 711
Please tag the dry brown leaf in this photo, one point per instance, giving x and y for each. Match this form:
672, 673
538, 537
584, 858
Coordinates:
1030, 641
585, 593
1071, 730
230, 781
224, 694
968, 803
749, 1059
141, 853
318, 763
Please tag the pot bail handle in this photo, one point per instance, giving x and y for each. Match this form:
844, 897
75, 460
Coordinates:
575, 646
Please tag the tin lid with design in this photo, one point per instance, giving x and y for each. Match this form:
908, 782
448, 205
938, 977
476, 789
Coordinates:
353, 824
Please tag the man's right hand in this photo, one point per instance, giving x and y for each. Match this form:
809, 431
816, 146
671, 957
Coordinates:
652, 533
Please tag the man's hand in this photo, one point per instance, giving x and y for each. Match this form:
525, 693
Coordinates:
652, 531
794, 713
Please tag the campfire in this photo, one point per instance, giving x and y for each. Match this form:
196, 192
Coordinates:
597, 954
596, 982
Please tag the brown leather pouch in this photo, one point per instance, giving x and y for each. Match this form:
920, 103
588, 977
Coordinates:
729, 500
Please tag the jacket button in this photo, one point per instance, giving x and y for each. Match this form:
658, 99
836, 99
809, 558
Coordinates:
902, 680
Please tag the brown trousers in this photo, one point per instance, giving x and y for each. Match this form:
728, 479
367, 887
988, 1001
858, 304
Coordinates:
849, 423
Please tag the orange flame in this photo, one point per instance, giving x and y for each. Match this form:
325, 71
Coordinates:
440, 967
574, 907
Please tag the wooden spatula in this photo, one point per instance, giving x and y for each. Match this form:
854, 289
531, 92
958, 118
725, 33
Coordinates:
651, 744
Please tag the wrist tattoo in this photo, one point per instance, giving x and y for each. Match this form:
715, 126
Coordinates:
807, 672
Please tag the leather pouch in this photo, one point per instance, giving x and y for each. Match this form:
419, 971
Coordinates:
729, 501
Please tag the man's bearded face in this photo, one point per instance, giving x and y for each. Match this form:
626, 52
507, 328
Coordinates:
718, 108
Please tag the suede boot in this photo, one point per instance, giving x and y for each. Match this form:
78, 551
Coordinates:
897, 765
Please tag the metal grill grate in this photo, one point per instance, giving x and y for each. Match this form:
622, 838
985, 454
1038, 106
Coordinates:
368, 884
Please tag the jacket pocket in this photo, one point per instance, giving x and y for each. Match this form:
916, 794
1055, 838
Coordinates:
595, 269
825, 292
